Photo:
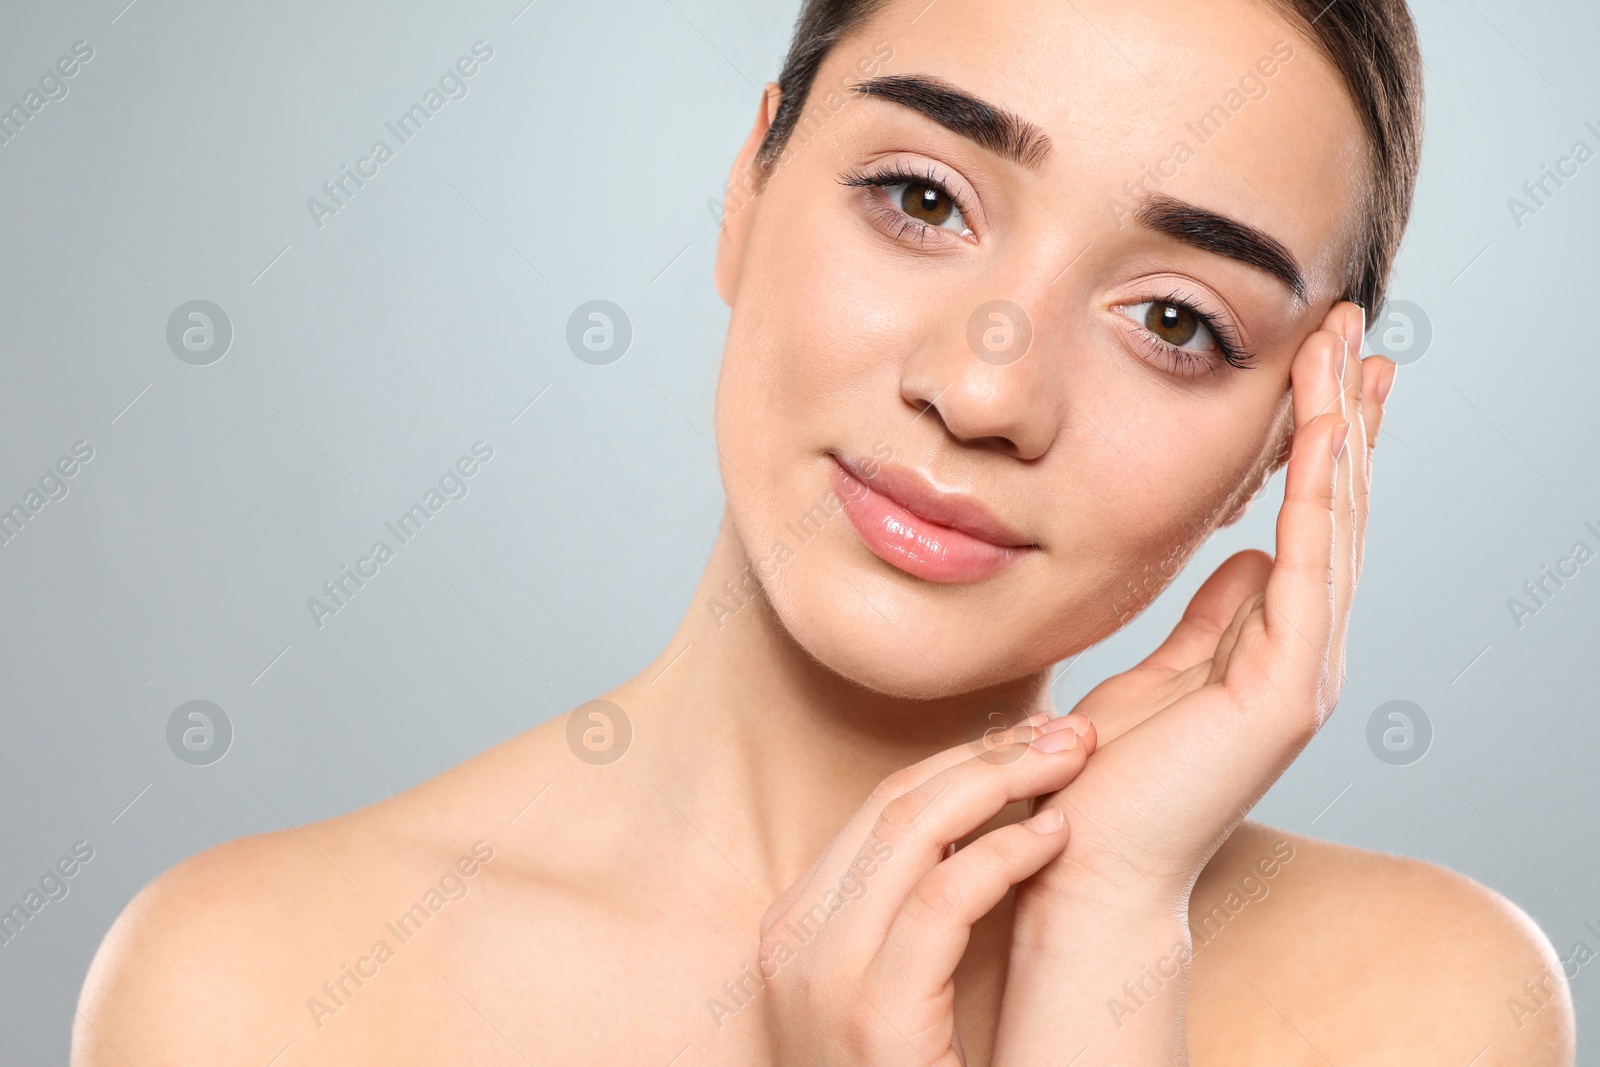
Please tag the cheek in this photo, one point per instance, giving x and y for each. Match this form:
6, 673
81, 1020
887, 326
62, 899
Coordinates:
1153, 470
815, 345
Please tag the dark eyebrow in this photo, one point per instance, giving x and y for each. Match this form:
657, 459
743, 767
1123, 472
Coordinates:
1211, 232
1020, 141
996, 129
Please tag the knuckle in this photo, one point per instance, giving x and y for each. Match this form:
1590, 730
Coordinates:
896, 784
938, 897
999, 855
897, 822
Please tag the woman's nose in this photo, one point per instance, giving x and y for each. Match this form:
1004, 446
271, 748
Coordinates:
980, 371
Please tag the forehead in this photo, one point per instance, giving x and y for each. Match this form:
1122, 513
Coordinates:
1223, 103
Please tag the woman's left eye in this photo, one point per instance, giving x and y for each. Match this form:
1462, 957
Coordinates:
1177, 325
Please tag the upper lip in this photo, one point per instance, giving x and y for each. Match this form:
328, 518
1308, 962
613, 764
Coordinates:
918, 494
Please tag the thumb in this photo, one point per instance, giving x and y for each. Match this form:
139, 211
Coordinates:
1211, 610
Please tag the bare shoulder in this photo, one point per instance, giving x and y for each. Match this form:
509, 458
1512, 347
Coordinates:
241, 951
1327, 953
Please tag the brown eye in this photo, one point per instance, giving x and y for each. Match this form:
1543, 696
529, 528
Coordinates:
926, 204
1179, 326
1173, 324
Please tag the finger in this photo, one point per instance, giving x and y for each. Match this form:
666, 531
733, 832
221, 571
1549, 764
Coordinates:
1377, 378
1350, 496
1315, 375
1211, 609
846, 844
911, 832
1299, 606
930, 931
1373, 375
1230, 637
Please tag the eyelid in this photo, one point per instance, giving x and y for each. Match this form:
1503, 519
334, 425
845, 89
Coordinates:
1230, 352
1176, 288
1166, 357
955, 185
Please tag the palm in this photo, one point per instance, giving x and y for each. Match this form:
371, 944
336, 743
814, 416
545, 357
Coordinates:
1146, 803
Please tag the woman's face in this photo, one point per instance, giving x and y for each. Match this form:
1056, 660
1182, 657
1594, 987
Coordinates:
1057, 358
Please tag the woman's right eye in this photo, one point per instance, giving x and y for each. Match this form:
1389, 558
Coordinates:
902, 200
928, 204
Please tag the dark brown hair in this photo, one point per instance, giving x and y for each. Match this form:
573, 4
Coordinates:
1372, 44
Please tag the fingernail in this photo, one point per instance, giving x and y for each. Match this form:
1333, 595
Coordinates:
1056, 740
1358, 326
1341, 359
1338, 438
1385, 383
1047, 821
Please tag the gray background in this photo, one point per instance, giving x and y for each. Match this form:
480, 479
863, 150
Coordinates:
370, 353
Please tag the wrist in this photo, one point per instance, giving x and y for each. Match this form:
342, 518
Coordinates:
1080, 930
1116, 979
1047, 917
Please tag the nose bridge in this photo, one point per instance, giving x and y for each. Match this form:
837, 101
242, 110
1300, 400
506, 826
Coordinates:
984, 368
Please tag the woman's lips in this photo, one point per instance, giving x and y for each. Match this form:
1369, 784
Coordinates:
918, 545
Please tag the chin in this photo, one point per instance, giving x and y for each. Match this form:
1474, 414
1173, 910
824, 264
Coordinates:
893, 634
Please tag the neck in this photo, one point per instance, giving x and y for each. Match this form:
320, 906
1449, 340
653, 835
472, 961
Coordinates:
746, 733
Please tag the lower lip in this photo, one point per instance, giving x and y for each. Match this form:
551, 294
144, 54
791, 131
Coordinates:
915, 545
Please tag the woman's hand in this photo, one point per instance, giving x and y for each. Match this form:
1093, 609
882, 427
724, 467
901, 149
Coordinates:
1194, 735
859, 955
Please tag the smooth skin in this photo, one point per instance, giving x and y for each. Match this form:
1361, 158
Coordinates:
803, 760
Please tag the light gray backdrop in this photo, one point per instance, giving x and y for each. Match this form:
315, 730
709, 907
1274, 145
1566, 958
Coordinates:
370, 352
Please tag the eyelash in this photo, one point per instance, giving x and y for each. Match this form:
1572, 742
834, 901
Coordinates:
1182, 361
900, 174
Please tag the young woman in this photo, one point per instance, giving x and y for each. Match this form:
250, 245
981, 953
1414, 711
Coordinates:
1027, 300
